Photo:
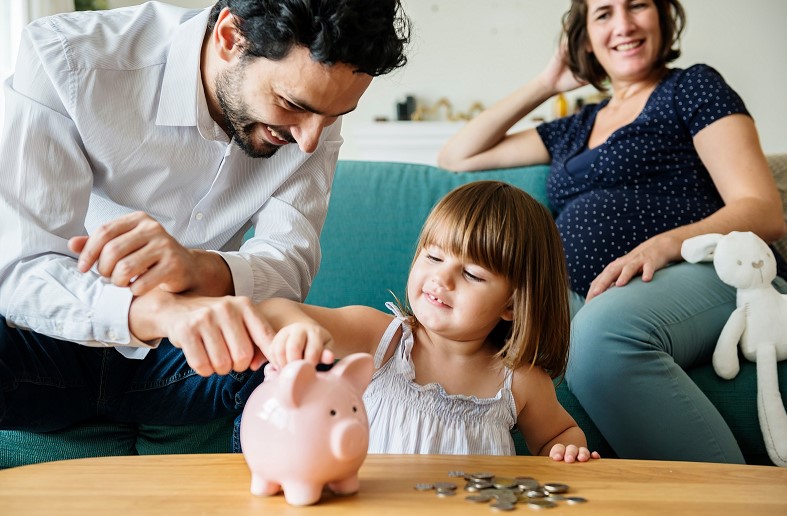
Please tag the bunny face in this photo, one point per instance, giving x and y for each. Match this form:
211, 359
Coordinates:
743, 260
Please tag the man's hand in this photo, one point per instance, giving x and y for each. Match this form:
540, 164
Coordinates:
216, 334
135, 251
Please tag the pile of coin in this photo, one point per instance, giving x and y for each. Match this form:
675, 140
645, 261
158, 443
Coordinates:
504, 493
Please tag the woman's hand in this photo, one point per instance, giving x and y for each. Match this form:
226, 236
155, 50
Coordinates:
557, 76
571, 453
297, 341
645, 259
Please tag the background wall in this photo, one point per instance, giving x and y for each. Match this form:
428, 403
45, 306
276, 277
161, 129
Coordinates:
479, 50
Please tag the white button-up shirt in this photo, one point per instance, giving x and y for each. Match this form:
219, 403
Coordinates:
106, 115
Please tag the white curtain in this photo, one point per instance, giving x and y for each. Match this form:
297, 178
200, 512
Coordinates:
14, 15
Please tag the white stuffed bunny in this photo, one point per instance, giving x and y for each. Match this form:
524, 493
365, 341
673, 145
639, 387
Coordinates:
759, 323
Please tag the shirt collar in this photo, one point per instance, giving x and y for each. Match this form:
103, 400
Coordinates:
178, 102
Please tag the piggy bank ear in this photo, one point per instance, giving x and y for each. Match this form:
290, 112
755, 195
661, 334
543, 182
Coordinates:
700, 248
294, 381
356, 369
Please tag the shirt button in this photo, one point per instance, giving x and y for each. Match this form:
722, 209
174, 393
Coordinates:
112, 335
198, 216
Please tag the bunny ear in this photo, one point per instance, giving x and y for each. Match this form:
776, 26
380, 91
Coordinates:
700, 248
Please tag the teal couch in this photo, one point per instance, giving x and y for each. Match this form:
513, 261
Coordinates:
375, 215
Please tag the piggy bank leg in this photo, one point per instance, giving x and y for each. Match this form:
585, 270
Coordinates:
302, 494
262, 487
348, 486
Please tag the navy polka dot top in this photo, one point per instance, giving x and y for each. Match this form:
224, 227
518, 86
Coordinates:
645, 179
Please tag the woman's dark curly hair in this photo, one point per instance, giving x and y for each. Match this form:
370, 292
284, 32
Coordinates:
584, 65
368, 35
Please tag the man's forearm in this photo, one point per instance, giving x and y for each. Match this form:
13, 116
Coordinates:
147, 313
213, 275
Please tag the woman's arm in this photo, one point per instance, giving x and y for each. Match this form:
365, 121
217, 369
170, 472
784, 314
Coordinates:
318, 334
483, 144
730, 150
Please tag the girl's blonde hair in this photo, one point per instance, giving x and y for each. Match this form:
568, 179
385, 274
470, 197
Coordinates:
503, 229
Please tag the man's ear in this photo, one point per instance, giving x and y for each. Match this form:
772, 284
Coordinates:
226, 37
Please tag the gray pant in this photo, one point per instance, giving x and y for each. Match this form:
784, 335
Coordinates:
629, 349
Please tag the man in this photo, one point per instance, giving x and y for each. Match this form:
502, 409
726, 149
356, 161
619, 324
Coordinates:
139, 146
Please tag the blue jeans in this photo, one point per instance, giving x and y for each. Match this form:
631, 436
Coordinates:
47, 384
629, 350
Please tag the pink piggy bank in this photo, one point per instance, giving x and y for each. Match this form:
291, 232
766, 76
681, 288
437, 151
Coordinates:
302, 429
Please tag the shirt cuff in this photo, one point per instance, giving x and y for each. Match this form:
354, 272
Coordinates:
242, 275
110, 322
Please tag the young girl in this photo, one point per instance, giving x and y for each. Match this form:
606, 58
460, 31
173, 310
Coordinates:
487, 330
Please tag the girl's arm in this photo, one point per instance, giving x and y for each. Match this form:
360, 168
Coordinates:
546, 426
483, 144
317, 334
730, 150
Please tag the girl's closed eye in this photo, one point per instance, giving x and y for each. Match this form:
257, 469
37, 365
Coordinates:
473, 277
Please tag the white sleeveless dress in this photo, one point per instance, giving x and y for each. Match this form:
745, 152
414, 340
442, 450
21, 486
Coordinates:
405, 417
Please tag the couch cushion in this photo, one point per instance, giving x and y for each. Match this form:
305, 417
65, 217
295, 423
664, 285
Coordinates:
101, 438
778, 164
384, 205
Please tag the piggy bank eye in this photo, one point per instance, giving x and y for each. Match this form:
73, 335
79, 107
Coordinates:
355, 409
333, 412
739, 262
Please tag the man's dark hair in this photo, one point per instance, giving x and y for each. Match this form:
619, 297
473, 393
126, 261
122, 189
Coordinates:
368, 35
585, 66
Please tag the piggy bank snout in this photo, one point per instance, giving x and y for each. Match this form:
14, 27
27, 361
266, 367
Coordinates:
349, 439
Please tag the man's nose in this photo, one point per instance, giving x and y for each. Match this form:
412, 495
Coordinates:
308, 132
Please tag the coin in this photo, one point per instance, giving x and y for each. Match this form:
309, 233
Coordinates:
535, 493
541, 504
502, 506
445, 492
554, 487
505, 483
526, 482
445, 485
573, 500
478, 498
483, 475
423, 487
456, 473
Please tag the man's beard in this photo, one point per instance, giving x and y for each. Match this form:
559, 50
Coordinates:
239, 124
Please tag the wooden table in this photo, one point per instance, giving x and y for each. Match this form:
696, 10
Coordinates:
219, 484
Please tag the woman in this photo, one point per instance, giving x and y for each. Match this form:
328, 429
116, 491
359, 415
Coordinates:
672, 154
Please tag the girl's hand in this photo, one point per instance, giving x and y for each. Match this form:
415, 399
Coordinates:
301, 340
572, 453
